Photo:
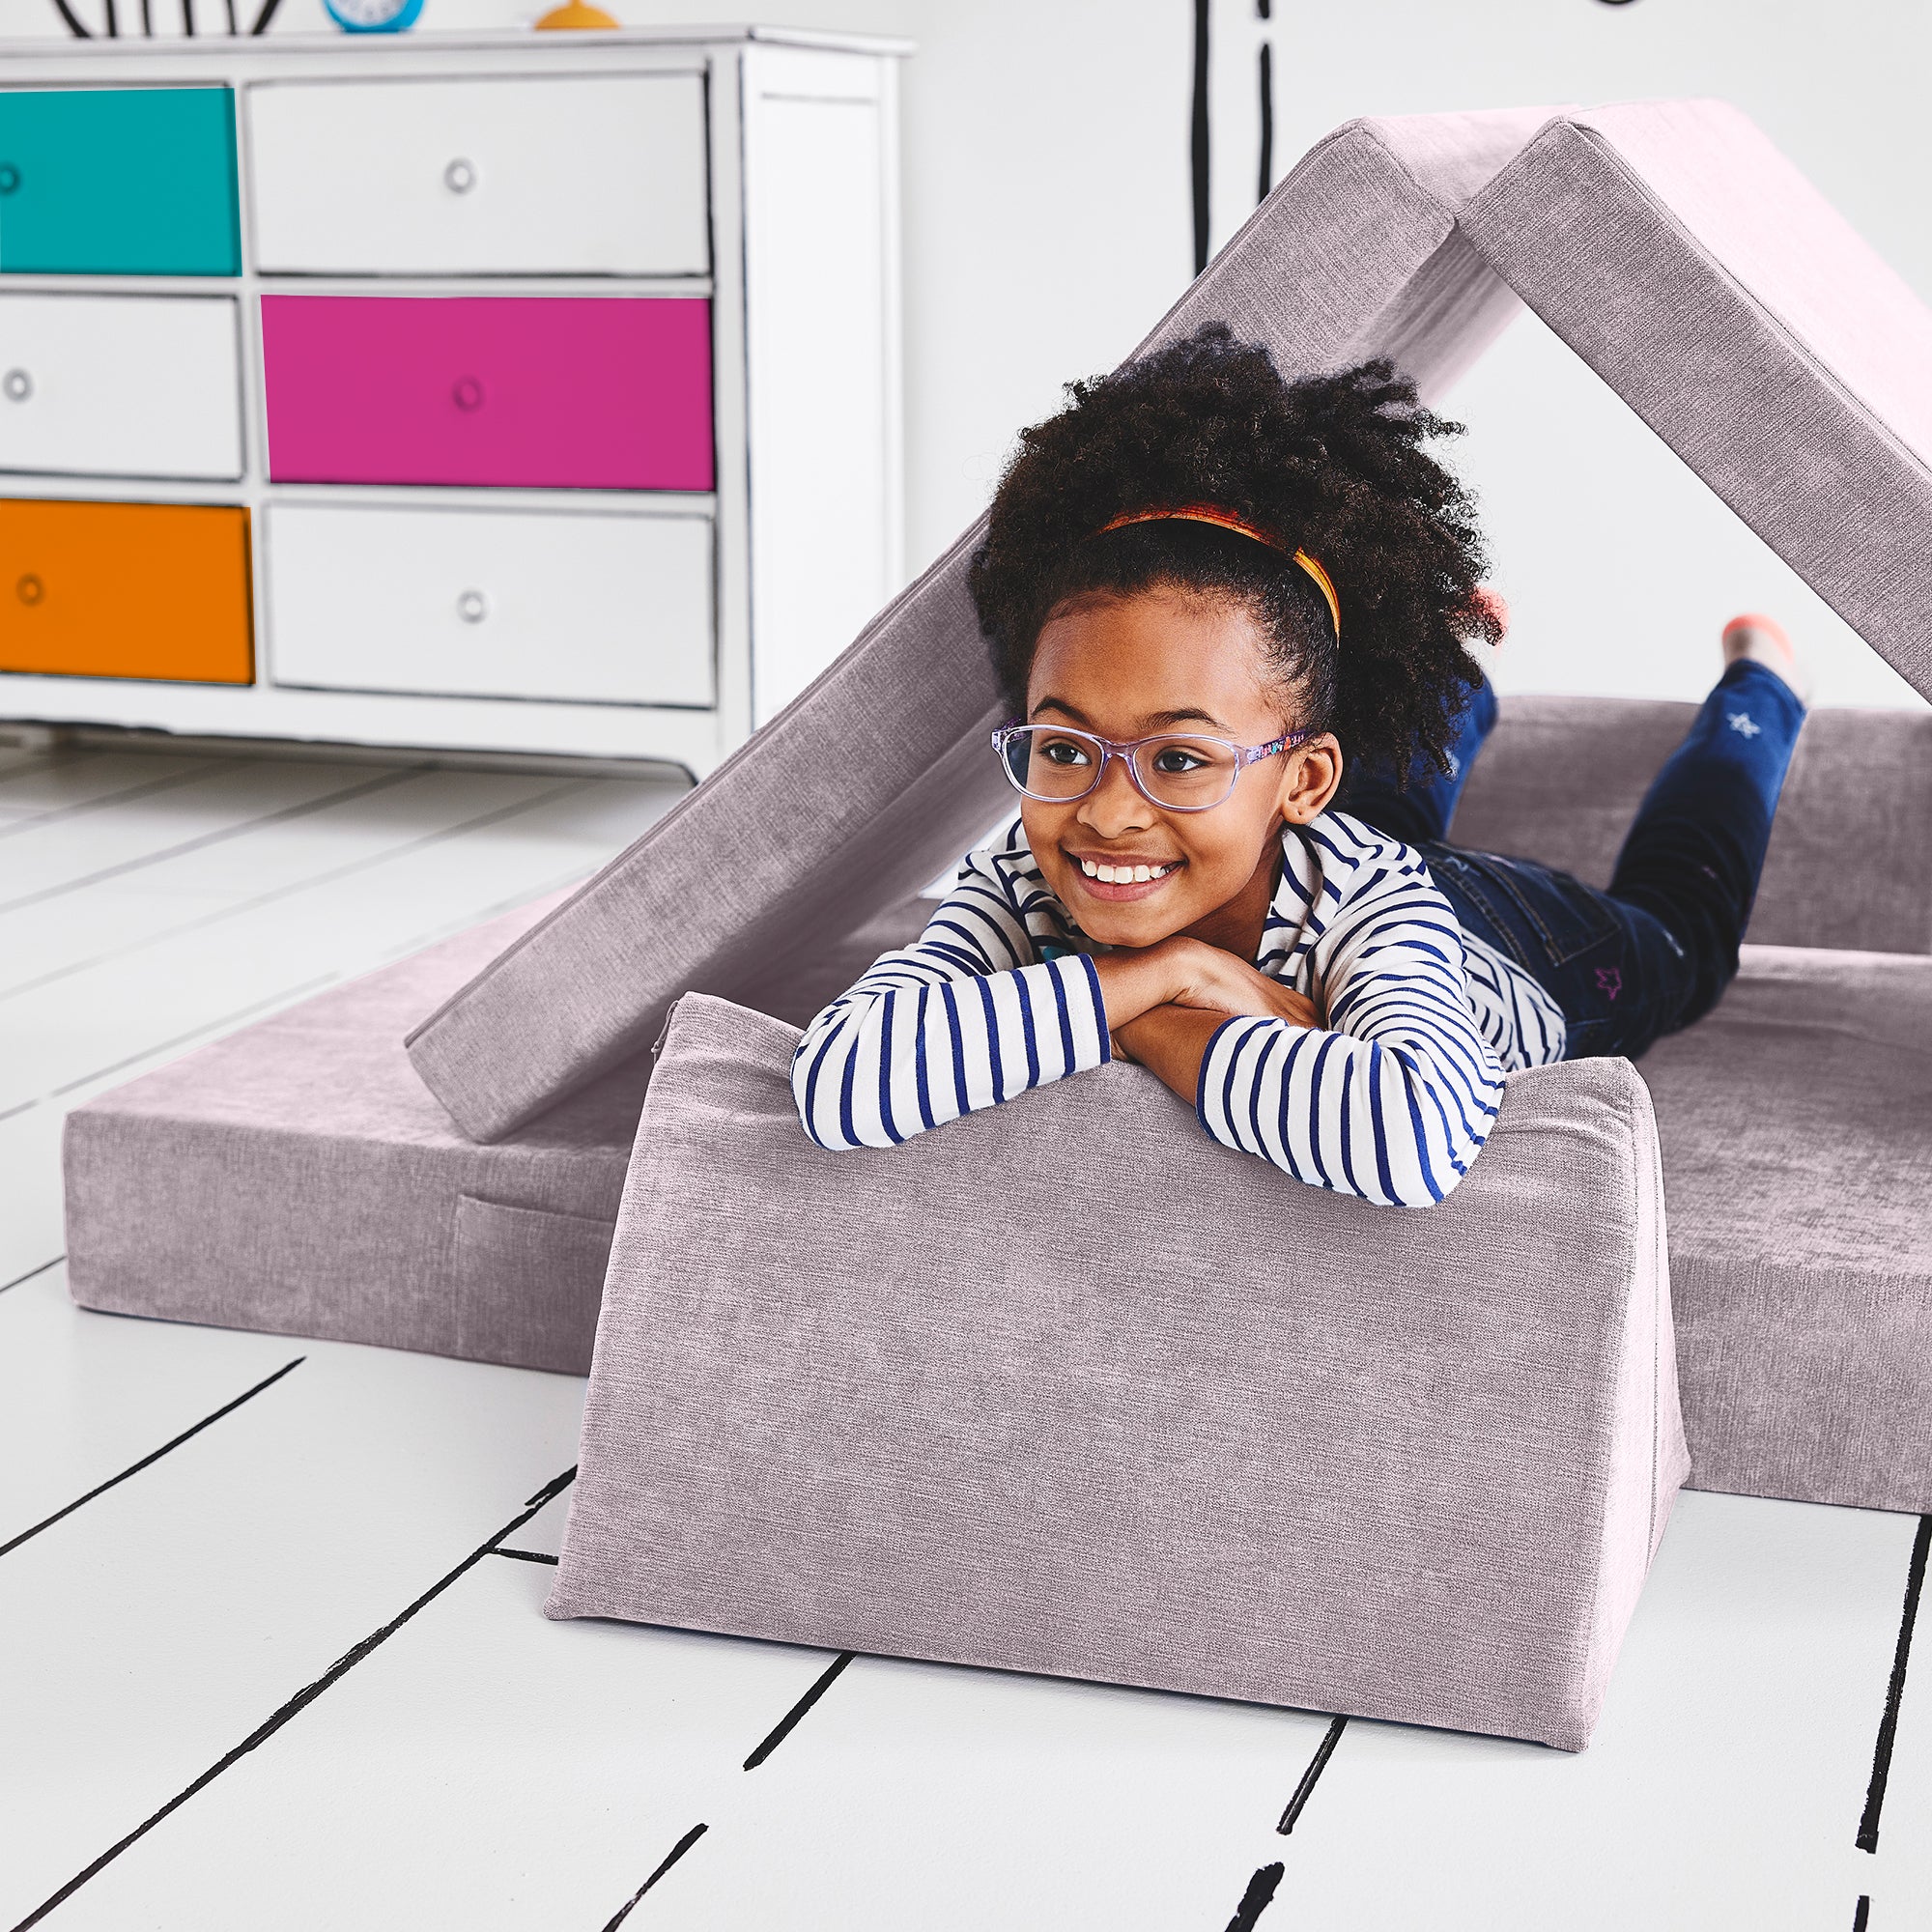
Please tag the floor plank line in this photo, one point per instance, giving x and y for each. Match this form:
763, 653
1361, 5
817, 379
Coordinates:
34, 821
152, 1458
303, 1699
281, 997
31, 1273
1887, 1725
671, 1858
314, 881
790, 1721
282, 815
1258, 1897
1312, 1776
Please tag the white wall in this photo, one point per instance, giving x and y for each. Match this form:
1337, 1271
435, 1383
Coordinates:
1047, 226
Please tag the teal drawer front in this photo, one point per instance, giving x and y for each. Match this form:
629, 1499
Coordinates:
137, 181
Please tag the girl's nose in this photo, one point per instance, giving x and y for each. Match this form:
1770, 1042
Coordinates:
1114, 807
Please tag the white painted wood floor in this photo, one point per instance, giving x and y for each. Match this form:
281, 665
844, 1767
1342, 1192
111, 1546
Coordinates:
280, 1671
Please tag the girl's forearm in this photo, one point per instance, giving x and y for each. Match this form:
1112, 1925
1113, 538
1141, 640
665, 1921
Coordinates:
1171, 1041
1136, 982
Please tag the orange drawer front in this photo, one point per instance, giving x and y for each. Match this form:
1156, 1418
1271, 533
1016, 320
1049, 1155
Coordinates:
149, 590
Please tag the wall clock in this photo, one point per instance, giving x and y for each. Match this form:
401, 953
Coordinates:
373, 16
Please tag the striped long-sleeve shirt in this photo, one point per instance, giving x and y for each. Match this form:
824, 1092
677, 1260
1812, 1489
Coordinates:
1390, 1100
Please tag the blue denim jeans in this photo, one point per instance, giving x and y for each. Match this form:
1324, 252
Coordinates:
1658, 949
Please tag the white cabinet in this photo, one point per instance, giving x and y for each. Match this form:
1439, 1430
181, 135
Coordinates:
121, 386
577, 355
597, 610
587, 175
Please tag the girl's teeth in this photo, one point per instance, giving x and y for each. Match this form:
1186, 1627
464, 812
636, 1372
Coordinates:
1108, 875
1124, 875
1088, 867
1142, 873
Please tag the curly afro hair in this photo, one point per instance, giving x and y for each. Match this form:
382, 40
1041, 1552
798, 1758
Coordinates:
1334, 464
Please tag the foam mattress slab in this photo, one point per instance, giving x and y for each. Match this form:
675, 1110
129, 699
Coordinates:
297, 1177
1796, 1122
1715, 289
964, 1400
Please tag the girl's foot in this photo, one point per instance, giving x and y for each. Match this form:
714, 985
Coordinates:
1758, 637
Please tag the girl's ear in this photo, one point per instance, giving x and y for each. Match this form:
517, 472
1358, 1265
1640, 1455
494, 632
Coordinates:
1312, 778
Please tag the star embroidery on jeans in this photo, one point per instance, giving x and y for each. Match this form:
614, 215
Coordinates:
1743, 723
1609, 982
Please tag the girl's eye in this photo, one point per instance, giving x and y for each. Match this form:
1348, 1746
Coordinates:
1063, 751
1178, 760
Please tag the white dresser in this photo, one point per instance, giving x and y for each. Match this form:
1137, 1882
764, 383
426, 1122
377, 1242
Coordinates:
532, 393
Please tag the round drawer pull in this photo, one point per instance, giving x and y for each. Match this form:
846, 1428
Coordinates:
472, 606
9, 176
31, 589
460, 177
468, 394
16, 385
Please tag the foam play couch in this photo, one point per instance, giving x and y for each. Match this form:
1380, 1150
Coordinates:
1675, 249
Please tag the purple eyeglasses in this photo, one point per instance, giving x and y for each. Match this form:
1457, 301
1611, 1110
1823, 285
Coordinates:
1177, 771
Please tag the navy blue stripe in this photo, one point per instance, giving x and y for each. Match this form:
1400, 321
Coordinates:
812, 1083
885, 1120
1066, 1021
970, 940
1201, 1078
1314, 1110
1099, 1009
1026, 1029
958, 1045
999, 1071
845, 1126
975, 963
1227, 1084
1375, 1080
921, 1074
1448, 1132
1413, 1074
1353, 1185
1275, 1037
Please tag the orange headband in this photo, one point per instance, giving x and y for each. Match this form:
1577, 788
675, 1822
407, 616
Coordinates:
1225, 520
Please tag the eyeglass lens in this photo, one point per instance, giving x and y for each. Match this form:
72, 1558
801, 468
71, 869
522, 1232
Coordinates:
1047, 763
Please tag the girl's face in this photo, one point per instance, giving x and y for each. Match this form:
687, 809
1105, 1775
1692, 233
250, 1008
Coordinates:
1168, 660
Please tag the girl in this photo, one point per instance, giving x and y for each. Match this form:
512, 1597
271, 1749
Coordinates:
1230, 615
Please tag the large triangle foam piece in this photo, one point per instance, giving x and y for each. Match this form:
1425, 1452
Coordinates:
1692, 267
878, 776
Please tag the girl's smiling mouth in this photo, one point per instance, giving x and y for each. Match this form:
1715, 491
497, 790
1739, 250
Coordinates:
1122, 878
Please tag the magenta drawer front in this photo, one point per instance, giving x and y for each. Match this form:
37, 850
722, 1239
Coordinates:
520, 392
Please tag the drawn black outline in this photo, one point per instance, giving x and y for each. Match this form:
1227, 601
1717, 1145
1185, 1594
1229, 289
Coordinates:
20, 1280
1258, 1897
670, 1858
306, 1697
1887, 1725
1312, 1776
1199, 138
153, 1456
785, 1725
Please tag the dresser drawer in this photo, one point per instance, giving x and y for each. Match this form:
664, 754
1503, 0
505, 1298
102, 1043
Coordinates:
135, 181
552, 392
147, 591
585, 175
121, 386
587, 607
